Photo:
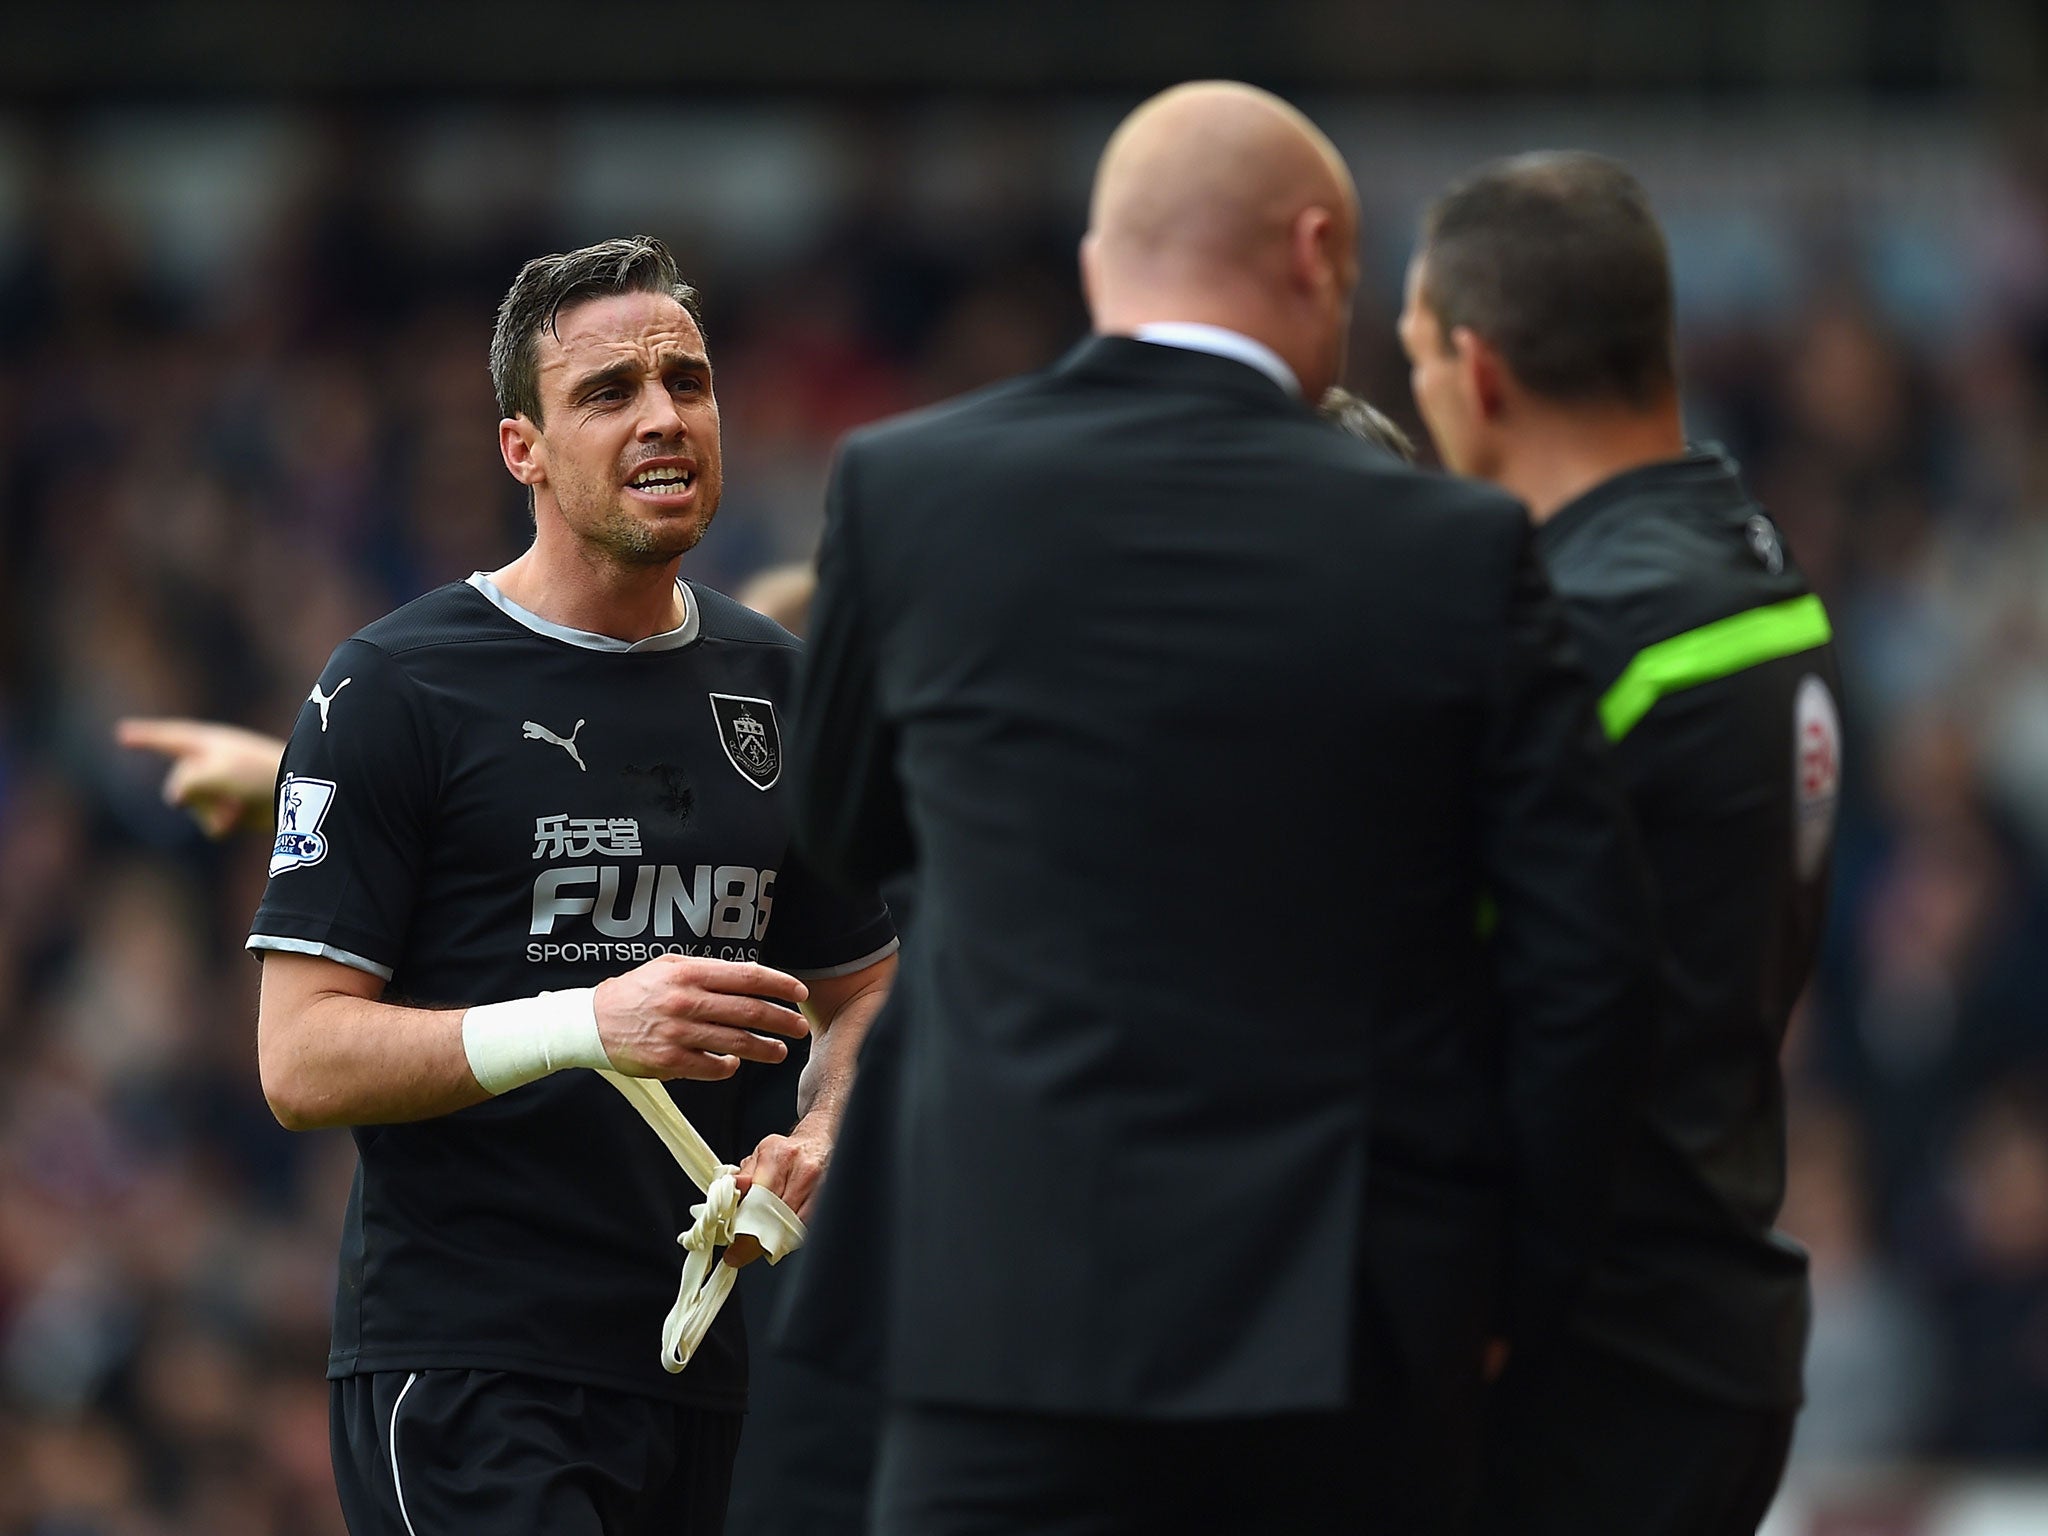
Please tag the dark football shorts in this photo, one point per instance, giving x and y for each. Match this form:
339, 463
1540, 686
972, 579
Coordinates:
491, 1453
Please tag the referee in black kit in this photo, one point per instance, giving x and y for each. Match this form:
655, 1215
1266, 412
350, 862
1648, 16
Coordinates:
1539, 325
532, 822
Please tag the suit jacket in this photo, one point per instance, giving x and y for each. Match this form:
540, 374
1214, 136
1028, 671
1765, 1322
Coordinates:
1204, 728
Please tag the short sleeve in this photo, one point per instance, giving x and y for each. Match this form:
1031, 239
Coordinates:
354, 800
818, 930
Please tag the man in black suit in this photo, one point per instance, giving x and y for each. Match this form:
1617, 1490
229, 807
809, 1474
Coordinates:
1213, 1142
1539, 323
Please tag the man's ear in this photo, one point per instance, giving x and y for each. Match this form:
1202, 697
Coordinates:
525, 450
1317, 263
1483, 370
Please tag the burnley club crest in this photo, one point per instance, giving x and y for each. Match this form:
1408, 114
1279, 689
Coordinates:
750, 736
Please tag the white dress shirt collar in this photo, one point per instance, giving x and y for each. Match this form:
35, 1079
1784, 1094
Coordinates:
1196, 337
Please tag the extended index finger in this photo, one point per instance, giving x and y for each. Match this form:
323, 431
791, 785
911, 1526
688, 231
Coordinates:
170, 736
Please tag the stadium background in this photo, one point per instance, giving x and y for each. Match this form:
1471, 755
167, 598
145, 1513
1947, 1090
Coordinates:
247, 268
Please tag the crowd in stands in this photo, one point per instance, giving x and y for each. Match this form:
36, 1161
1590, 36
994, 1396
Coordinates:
211, 470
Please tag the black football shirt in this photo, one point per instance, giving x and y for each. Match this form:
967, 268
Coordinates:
1719, 696
477, 805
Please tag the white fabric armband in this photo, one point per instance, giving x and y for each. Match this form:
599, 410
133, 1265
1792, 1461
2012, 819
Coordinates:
725, 1214
513, 1043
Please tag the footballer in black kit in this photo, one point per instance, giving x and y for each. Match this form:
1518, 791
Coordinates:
479, 805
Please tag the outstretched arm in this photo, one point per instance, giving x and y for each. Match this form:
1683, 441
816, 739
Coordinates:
222, 774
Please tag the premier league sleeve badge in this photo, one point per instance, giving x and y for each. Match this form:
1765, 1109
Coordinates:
301, 806
752, 739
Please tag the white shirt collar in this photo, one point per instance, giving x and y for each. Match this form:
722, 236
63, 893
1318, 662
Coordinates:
667, 640
1197, 337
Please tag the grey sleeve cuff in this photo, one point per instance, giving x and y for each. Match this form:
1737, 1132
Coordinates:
828, 972
324, 951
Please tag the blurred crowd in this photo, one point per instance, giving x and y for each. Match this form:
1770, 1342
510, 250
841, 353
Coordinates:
215, 466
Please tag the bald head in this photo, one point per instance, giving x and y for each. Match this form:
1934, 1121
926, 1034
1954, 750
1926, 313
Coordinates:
1219, 202
1211, 173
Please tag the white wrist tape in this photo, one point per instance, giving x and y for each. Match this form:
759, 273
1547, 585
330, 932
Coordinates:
513, 1043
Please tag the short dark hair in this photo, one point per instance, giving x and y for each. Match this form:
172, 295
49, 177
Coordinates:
1556, 260
547, 285
1361, 418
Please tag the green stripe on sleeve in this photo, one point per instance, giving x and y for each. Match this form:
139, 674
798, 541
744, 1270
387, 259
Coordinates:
1712, 651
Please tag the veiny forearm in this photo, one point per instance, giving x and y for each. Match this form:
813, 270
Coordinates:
343, 1060
792, 1166
333, 1053
835, 1049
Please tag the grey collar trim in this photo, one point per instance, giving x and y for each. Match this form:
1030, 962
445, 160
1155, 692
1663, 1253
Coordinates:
683, 634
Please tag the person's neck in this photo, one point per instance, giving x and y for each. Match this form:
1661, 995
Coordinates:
568, 583
1124, 315
1567, 452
